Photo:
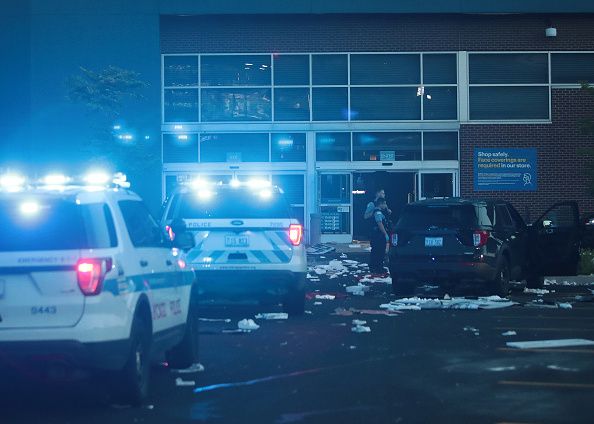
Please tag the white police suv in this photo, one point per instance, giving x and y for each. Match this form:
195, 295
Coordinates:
246, 243
89, 279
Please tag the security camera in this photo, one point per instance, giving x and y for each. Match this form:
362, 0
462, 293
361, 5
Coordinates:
551, 31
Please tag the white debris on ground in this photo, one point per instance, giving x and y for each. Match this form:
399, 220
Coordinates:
558, 368
358, 290
370, 279
473, 330
538, 291
317, 303
184, 383
509, 333
583, 280
325, 297
192, 369
215, 319
501, 369
539, 303
418, 303
247, 325
543, 344
343, 256
308, 312
272, 315
564, 305
355, 246
361, 329
359, 322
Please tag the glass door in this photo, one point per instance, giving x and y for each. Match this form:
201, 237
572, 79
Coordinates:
438, 185
335, 201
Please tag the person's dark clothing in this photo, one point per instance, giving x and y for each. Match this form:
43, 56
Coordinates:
378, 243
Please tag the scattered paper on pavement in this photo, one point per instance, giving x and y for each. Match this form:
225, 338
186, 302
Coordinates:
538, 344
247, 325
184, 383
194, 368
272, 315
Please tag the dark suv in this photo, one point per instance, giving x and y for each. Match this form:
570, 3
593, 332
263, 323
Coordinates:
459, 242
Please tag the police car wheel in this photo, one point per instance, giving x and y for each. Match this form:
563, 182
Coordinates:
186, 352
294, 303
131, 385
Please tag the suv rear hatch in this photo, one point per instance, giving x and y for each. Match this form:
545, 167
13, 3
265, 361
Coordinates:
448, 232
39, 249
235, 228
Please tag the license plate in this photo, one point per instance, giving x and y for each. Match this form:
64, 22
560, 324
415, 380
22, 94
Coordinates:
237, 241
433, 241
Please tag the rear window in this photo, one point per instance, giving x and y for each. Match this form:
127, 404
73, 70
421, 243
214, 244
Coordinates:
51, 224
440, 216
229, 204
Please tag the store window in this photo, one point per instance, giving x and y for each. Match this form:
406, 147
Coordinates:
386, 146
440, 69
330, 69
294, 189
234, 147
291, 104
333, 146
233, 70
180, 71
385, 69
180, 105
385, 103
440, 145
330, 104
509, 68
291, 69
440, 103
572, 68
180, 148
288, 147
335, 203
509, 103
236, 104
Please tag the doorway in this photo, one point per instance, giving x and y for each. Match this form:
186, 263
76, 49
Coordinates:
400, 189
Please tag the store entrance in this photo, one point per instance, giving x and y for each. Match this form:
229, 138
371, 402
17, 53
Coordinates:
400, 188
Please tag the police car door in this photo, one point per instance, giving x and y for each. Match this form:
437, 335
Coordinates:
154, 265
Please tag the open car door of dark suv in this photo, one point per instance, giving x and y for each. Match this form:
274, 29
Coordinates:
556, 240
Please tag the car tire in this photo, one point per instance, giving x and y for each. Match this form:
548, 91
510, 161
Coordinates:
400, 288
132, 382
294, 302
184, 354
501, 284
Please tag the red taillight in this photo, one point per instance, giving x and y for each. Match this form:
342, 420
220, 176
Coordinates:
480, 237
90, 274
170, 232
295, 234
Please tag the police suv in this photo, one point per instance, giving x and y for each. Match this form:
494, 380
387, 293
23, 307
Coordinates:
246, 243
88, 279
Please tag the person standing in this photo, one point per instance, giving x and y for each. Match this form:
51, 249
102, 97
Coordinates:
380, 238
379, 194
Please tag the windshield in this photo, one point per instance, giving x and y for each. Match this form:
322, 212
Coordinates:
440, 216
229, 204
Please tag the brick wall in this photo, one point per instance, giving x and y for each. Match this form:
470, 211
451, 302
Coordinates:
336, 33
561, 167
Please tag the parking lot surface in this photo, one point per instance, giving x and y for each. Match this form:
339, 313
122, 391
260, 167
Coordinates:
353, 358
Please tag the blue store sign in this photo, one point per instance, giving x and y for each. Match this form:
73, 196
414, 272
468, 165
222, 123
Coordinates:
505, 170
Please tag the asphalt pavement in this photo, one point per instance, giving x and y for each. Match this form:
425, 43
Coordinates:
417, 366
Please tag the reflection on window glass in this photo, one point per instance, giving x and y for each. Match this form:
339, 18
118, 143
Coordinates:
291, 104
180, 148
387, 146
291, 69
333, 146
234, 147
181, 105
509, 103
239, 104
437, 185
440, 145
440, 69
509, 68
440, 103
180, 71
385, 103
335, 188
330, 104
288, 147
235, 70
293, 187
330, 69
378, 69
